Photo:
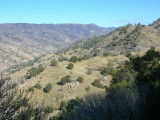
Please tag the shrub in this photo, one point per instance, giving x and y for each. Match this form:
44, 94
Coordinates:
62, 59
108, 71
88, 88
38, 85
54, 62
85, 57
128, 54
48, 109
74, 59
34, 71
65, 80
48, 88
80, 59
31, 89
63, 105
124, 74
97, 83
72, 104
13, 85
105, 54
89, 71
80, 79
70, 66
95, 52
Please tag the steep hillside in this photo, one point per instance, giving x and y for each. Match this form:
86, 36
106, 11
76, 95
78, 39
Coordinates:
156, 24
123, 39
21, 42
88, 69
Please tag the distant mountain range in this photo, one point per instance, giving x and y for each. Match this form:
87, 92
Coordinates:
123, 39
22, 42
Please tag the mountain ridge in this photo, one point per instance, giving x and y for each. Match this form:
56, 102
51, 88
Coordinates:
22, 42
123, 39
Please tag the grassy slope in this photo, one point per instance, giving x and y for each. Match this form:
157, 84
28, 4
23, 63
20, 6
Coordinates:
53, 75
126, 38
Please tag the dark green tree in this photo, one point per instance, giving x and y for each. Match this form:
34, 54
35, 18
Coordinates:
80, 79
70, 66
65, 80
74, 59
48, 88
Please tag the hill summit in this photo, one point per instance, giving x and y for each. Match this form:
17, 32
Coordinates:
123, 39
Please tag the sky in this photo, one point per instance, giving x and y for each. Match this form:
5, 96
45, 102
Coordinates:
105, 13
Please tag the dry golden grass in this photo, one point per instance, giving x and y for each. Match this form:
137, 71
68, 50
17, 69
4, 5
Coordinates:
53, 75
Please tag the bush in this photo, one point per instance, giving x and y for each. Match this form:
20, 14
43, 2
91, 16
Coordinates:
54, 62
97, 83
80, 79
63, 105
62, 59
38, 85
128, 54
89, 71
48, 88
105, 54
73, 104
124, 74
108, 71
74, 59
88, 88
85, 57
48, 109
34, 71
70, 66
65, 80
31, 89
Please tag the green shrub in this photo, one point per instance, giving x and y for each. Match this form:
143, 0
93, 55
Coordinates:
105, 54
31, 89
38, 85
54, 62
88, 88
62, 59
48, 109
63, 105
65, 80
80, 79
48, 88
70, 66
34, 71
97, 83
95, 52
128, 54
85, 57
73, 104
123, 74
80, 59
74, 59
89, 71
108, 71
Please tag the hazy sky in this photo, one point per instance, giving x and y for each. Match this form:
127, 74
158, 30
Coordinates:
105, 13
